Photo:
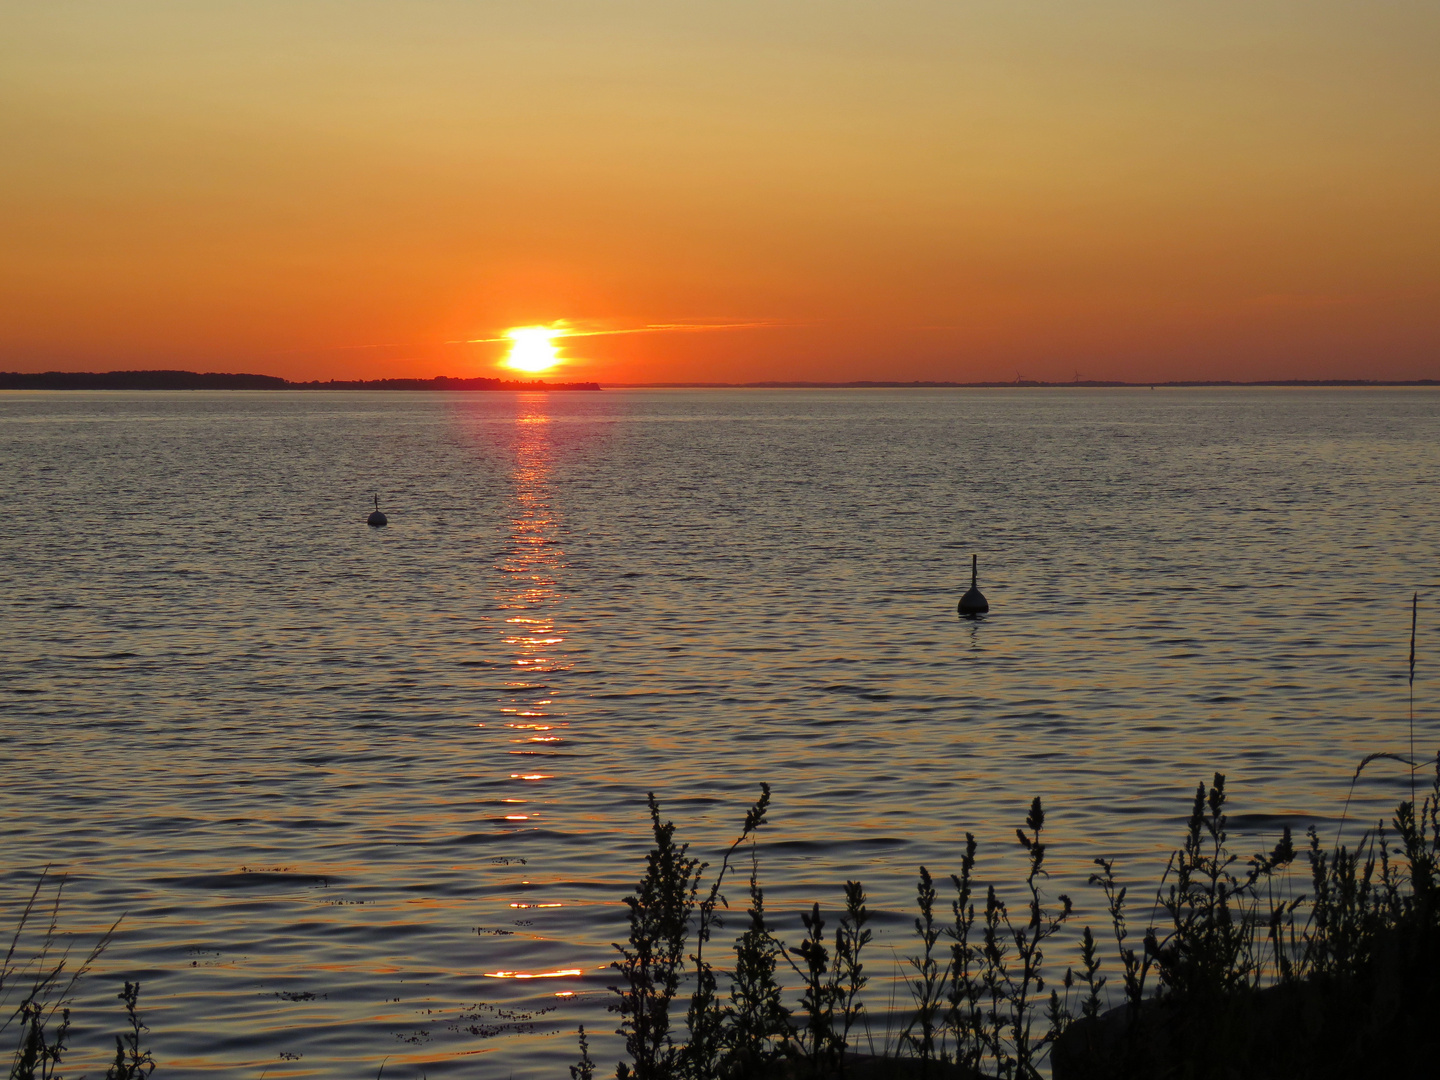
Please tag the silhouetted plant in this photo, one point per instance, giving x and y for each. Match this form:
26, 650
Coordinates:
1090, 975
707, 1017
1210, 951
585, 1068
758, 1019
927, 987
849, 971
1029, 947
1233, 961
1420, 837
1134, 968
995, 983
818, 1044
1058, 1010
651, 966
963, 1019
40, 1048
131, 1063
831, 983
1228, 933
44, 980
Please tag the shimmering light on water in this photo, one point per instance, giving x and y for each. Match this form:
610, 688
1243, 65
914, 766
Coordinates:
428, 746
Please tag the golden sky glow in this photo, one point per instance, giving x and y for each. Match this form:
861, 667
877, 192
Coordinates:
849, 188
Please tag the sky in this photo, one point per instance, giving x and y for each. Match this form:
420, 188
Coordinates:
723, 191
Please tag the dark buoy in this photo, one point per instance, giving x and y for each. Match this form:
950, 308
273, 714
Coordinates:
974, 602
377, 520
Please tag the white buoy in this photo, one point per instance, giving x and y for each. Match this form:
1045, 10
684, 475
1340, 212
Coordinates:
974, 602
377, 520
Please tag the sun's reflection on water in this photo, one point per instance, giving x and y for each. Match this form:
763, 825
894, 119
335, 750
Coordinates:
534, 558
533, 634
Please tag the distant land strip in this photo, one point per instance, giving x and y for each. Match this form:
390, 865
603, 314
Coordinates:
212, 380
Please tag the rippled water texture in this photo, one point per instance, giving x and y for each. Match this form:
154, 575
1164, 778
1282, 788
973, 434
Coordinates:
349, 785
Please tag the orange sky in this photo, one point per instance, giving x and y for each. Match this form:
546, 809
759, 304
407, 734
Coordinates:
866, 190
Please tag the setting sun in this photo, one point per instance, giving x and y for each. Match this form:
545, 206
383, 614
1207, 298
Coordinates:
533, 350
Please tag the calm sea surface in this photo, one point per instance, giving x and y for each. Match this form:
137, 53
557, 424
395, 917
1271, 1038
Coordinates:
346, 785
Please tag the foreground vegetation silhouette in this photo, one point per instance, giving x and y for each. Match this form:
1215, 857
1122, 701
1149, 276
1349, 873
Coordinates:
1228, 973
35, 990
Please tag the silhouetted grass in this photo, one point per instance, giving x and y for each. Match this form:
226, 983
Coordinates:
37, 980
131, 1062
1337, 982
1231, 975
1225, 971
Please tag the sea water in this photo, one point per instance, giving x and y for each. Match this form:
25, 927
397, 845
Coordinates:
348, 787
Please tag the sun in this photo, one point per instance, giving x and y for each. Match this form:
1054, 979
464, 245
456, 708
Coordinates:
532, 349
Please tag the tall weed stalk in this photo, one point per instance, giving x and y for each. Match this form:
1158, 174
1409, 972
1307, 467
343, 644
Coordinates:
37, 983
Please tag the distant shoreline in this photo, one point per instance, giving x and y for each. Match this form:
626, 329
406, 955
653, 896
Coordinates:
192, 380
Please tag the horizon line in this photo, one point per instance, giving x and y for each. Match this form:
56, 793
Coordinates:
899, 384
15, 380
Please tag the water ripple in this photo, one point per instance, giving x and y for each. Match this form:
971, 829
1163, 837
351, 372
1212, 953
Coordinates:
352, 786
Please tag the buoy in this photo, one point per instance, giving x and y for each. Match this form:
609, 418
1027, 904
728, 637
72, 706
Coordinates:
974, 602
377, 520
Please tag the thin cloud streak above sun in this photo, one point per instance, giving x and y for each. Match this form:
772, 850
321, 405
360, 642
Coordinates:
533, 350
564, 330
678, 328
